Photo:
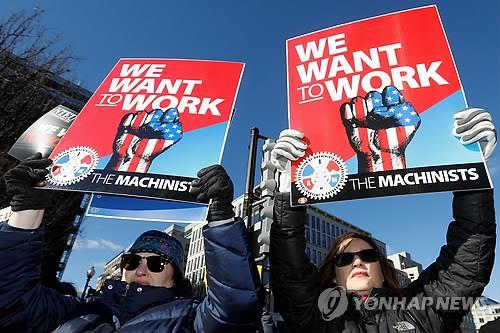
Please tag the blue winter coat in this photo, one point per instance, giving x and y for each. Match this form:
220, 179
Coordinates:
233, 302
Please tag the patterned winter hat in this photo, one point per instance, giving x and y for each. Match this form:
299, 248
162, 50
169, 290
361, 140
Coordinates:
158, 242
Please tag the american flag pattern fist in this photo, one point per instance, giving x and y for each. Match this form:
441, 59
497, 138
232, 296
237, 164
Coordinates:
142, 136
380, 127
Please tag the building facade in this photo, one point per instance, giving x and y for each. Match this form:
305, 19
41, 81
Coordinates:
112, 271
485, 309
195, 261
403, 262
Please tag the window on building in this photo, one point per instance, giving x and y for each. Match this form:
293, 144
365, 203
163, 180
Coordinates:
307, 219
337, 231
497, 310
481, 320
318, 239
313, 222
308, 253
307, 234
314, 258
323, 225
323, 240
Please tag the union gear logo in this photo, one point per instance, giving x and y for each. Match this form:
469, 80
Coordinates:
72, 165
321, 175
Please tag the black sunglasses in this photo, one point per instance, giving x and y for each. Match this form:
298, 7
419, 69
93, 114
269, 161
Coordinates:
346, 258
155, 264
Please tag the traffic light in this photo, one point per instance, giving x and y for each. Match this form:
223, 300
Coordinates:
266, 219
268, 170
267, 187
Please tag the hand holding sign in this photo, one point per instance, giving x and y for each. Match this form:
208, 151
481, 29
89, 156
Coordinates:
142, 136
379, 128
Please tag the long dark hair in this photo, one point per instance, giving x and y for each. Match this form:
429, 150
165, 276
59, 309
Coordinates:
327, 267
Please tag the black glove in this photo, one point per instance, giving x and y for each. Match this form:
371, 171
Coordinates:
215, 184
20, 180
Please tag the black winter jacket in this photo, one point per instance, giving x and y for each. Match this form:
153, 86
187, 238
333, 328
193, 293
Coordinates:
462, 270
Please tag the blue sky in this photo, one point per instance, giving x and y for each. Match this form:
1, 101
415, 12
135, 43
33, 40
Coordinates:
254, 32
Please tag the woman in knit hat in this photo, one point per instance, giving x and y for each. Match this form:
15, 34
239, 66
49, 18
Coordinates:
153, 295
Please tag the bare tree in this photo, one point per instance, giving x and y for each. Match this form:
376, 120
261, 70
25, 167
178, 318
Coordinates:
31, 83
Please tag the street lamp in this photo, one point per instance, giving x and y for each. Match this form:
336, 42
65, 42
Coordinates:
90, 274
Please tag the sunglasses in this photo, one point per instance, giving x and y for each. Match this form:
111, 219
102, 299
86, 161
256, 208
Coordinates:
346, 258
155, 264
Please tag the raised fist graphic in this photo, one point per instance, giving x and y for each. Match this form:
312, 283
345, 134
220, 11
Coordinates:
142, 136
379, 127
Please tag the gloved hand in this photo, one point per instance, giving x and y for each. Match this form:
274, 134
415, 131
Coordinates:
143, 136
214, 183
475, 125
20, 180
289, 147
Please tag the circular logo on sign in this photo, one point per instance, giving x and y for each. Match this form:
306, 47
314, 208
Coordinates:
72, 165
321, 175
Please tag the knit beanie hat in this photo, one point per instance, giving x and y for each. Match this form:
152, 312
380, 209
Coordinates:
160, 243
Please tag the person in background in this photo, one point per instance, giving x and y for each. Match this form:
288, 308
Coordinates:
153, 295
310, 300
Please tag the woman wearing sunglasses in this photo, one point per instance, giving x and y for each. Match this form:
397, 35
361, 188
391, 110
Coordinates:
153, 295
355, 289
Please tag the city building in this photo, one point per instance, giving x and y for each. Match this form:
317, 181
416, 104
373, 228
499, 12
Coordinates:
485, 309
403, 262
178, 232
195, 261
112, 271
323, 228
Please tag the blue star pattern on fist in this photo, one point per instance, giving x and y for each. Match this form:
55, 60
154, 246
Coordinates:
166, 124
389, 109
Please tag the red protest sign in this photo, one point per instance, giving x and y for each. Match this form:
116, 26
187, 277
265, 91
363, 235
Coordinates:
148, 128
360, 92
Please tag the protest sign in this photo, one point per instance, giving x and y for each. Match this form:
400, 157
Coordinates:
148, 128
44, 134
375, 99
